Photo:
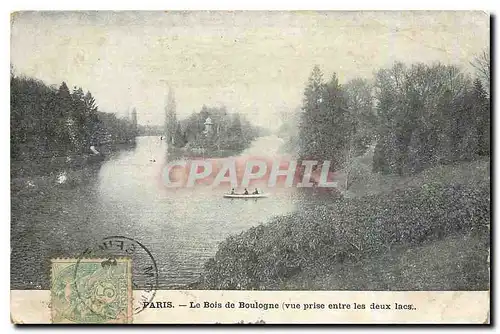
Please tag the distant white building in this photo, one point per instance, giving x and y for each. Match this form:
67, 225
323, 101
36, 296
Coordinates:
208, 125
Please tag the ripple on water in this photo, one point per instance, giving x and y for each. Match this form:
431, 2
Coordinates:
181, 229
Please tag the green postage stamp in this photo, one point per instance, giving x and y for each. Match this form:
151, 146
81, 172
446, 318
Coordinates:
91, 291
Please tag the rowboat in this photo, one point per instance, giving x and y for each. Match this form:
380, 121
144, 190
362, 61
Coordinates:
245, 196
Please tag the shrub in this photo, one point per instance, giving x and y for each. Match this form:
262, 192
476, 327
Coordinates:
349, 229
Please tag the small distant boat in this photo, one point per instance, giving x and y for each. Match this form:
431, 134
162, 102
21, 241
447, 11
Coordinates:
245, 196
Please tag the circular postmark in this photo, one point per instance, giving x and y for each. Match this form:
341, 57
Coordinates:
99, 294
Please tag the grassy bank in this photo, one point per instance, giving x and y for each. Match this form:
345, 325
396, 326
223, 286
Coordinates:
432, 236
457, 262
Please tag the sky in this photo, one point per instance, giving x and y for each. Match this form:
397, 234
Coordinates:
255, 63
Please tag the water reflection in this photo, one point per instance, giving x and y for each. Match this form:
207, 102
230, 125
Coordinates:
181, 228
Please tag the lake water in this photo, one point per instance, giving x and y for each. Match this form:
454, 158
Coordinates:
182, 229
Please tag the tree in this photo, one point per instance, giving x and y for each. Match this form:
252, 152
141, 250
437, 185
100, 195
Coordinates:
482, 65
230, 131
325, 125
360, 106
427, 114
362, 120
179, 138
63, 118
92, 120
235, 133
170, 117
481, 105
78, 119
310, 118
49, 122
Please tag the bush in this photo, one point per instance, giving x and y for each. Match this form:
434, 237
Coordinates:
267, 255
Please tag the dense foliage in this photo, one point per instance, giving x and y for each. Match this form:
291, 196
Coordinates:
418, 116
337, 121
46, 122
347, 230
228, 132
429, 115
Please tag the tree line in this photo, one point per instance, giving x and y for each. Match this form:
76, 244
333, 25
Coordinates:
46, 121
228, 132
416, 116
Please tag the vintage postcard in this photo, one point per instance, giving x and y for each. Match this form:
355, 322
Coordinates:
273, 167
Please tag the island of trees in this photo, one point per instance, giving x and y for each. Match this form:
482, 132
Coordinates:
213, 130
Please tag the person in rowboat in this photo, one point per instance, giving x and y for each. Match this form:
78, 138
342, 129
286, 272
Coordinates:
232, 191
246, 192
256, 192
